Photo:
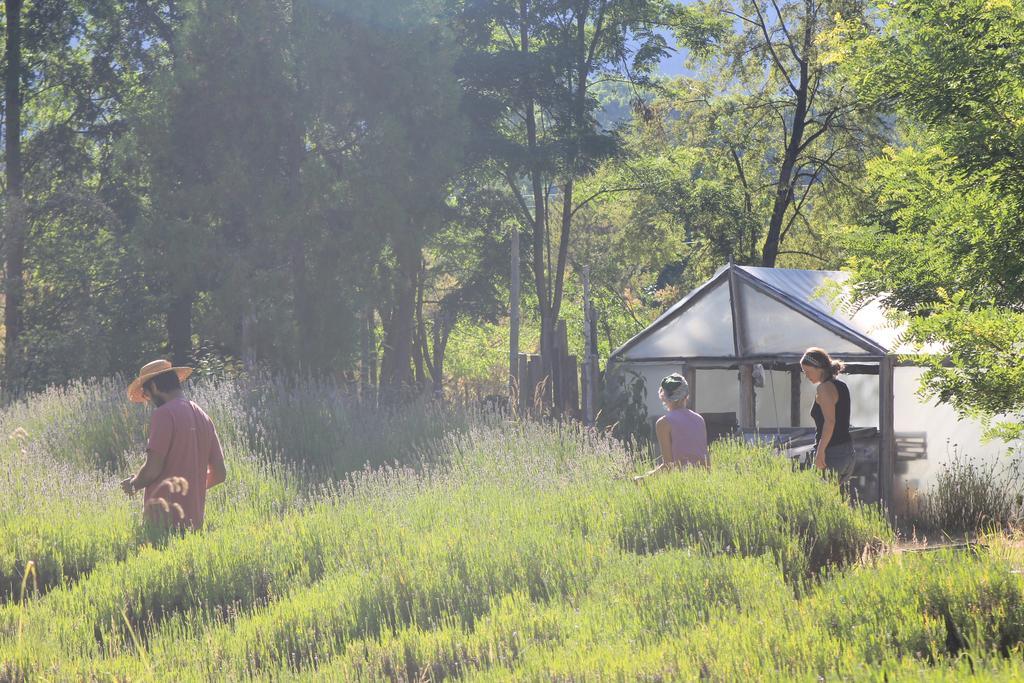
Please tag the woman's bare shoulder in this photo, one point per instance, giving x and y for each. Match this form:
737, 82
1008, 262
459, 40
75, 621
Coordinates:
827, 390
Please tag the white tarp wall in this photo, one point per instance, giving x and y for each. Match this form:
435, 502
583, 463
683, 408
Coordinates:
928, 434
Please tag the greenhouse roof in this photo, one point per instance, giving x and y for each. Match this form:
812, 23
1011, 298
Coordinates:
750, 313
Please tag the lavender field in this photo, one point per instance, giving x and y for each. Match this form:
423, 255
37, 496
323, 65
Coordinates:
438, 543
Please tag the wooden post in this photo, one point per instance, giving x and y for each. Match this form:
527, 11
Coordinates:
795, 383
572, 389
746, 412
691, 378
533, 373
513, 306
886, 433
523, 385
584, 392
739, 339
558, 381
588, 401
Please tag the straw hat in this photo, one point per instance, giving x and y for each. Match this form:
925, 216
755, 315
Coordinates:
148, 372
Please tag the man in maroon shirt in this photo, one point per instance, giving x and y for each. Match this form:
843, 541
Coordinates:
183, 456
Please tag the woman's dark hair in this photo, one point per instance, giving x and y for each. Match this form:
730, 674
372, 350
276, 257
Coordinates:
166, 383
818, 358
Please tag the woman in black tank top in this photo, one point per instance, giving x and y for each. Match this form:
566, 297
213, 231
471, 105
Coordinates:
831, 412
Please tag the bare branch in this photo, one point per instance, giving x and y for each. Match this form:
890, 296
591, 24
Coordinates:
527, 215
605, 191
785, 31
798, 252
823, 127
771, 49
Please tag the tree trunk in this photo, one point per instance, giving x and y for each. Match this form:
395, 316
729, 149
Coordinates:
179, 328
15, 231
304, 312
513, 308
303, 306
539, 236
364, 351
387, 315
784, 188
248, 343
397, 366
371, 332
579, 112
442, 331
419, 334
563, 248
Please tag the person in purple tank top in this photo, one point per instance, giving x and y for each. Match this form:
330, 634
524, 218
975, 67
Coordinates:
682, 435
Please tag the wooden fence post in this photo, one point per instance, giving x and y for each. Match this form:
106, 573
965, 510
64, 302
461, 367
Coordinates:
886, 434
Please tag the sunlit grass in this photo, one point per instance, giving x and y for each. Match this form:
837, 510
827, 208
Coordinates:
485, 549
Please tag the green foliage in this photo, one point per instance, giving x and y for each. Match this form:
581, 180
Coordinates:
623, 405
767, 512
776, 138
319, 429
478, 353
710, 165
943, 245
228, 175
85, 309
543, 135
970, 497
519, 551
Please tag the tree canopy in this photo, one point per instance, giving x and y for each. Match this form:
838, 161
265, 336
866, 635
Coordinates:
333, 187
944, 243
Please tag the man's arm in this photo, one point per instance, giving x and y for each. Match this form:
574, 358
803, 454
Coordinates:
161, 434
216, 472
148, 474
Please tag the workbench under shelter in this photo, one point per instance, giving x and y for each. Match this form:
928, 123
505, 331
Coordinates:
738, 339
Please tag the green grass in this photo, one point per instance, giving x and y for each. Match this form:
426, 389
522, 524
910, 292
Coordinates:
471, 548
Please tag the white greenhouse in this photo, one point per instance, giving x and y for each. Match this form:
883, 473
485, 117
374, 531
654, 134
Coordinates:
739, 337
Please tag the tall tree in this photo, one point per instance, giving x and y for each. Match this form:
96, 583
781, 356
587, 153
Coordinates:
944, 242
72, 65
536, 62
401, 144
464, 269
217, 134
14, 225
774, 103
288, 165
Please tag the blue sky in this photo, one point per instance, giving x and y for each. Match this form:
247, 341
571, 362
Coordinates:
673, 64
